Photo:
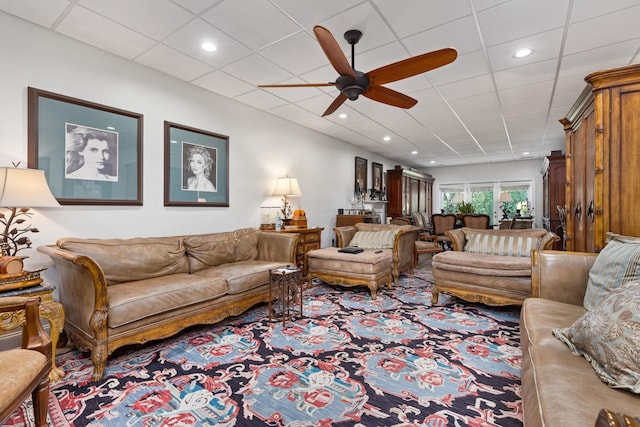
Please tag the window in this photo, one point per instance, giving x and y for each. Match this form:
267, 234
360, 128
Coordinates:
484, 196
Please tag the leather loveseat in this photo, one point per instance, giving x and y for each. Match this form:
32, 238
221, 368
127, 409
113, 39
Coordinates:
560, 389
117, 292
489, 266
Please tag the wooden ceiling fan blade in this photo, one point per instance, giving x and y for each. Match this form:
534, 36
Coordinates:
390, 97
300, 85
335, 104
411, 66
333, 52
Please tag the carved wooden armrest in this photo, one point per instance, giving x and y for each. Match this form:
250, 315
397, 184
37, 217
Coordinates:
607, 418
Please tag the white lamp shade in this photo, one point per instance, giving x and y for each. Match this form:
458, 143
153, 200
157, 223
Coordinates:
505, 197
286, 186
458, 198
25, 188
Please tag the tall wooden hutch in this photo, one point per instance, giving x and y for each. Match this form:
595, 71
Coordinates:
408, 191
603, 159
554, 189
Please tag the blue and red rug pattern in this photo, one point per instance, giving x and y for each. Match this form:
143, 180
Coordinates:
349, 361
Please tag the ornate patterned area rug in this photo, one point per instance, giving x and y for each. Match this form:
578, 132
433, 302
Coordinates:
350, 361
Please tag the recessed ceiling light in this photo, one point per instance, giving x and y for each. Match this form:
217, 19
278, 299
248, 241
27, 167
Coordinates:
432, 162
387, 138
414, 152
526, 153
209, 47
343, 116
521, 53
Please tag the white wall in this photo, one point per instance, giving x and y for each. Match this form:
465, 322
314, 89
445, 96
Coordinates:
261, 146
522, 170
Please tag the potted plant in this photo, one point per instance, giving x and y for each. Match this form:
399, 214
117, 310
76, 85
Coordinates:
465, 209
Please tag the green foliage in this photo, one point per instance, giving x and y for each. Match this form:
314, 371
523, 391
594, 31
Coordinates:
466, 208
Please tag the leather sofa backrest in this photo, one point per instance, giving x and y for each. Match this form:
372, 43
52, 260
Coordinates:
547, 238
125, 260
209, 250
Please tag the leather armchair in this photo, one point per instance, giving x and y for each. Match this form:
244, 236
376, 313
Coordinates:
25, 370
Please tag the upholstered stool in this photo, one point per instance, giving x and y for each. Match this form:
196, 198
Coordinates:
370, 268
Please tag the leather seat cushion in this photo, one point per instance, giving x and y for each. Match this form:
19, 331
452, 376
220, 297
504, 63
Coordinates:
483, 264
242, 275
133, 301
367, 263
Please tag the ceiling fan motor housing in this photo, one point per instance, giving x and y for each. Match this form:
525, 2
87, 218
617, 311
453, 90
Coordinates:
353, 88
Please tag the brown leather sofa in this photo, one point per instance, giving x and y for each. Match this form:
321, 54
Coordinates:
478, 275
117, 292
402, 250
560, 389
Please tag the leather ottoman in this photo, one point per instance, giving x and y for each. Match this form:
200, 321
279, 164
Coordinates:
371, 268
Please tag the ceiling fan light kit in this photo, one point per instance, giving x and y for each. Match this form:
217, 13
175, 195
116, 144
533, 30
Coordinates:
352, 83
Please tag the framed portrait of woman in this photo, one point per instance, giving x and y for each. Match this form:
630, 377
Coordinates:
91, 153
196, 169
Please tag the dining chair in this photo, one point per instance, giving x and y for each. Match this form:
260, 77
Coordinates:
442, 223
478, 221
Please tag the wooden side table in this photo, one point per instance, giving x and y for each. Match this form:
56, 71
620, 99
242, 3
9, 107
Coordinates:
49, 309
285, 294
310, 239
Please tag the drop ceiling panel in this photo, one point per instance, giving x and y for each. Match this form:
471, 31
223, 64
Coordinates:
223, 84
597, 32
460, 35
174, 63
36, 11
190, 37
153, 18
96, 30
312, 13
298, 53
526, 18
545, 45
244, 69
416, 15
257, 23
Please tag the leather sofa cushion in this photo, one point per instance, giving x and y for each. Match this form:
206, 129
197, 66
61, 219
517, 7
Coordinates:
209, 250
483, 264
242, 275
125, 260
136, 300
553, 379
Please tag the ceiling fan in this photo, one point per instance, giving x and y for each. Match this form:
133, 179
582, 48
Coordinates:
353, 83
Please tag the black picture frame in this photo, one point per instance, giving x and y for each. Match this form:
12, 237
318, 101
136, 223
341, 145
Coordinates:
91, 153
360, 176
377, 178
204, 181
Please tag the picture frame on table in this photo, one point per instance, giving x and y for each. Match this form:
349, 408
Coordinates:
377, 178
360, 179
91, 153
196, 167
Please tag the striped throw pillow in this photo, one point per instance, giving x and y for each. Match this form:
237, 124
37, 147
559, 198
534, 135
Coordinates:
618, 263
500, 244
374, 239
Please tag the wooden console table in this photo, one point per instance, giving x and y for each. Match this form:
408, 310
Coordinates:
310, 239
49, 309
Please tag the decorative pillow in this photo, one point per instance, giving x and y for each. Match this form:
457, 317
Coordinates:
500, 244
374, 239
617, 264
609, 337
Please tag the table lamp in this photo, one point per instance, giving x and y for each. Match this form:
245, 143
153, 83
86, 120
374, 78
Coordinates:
504, 199
286, 187
20, 190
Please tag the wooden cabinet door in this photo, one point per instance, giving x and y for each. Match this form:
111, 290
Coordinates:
578, 143
624, 167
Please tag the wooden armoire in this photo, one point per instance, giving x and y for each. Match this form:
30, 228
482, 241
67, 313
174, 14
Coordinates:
553, 194
603, 159
408, 191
